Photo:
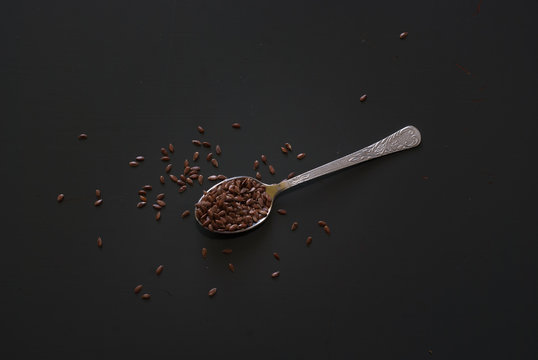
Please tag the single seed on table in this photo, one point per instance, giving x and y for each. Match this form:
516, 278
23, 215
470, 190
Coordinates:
327, 229
200, 179
206, 144
195, 168
200, 129
185, 213
159, 270
212, 177
140, 204
258, 175
182, 189
157, 206
221, 177
158, 216
282, 211
275, 274
275, 254
138, 288
147, 187
214, 162
133, 164
186, 170
173, 178
212, 292
301, 156
161, 179
161, 203
236, 125
82, 137
186, 163
197, 142
171, 148
204, 253
139, 158
98, 202
60, 197
294, 226
290, 175
231, 267
264, 159
256, 164
271, 169
322, 223
182, 177
363, 98
288, 146
209, 156
227, 251
99, 242
165, 158
168, 168
404, 35
308, 241
98, 193
193, 175
195, 156
283, 149
142, 192
163, 151
218, 150
142, 198
146, 296
189, 181
160, 196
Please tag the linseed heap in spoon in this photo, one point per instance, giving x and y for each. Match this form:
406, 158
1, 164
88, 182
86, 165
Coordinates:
233, 205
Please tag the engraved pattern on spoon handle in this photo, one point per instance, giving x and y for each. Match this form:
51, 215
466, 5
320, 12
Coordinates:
403, 139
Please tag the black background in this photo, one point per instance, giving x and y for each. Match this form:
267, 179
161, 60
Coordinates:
431, 249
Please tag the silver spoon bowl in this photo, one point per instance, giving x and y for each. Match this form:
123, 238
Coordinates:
403, 139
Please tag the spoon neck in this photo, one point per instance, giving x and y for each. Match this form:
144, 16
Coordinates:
275, 189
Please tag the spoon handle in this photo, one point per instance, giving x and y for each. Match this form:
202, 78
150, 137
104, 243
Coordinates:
403, 139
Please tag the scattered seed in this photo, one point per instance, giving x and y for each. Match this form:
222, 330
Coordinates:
165, 158
404, 35
288, 146
290, 175
212, 177
182, 189
308, 241
282, 211
139, 158
60, 198
173, 178
160, 196
161, 203
256, 164
171, 148
206, 144
294, 226
157, 206
163, 151
200, 179
159, 270
142, 192
158, 216
138, 288
327, 229
141, 204
98, 193
200, 129
133, 164
231, 267
186, 170
142, 198
271, 169
275, 274
195, 156
218, 149
186, 163
147, 187
146, 296
301, 156
185, 213
363, 98
99, 242
195, 168
189, 181
197, 142
221, 177
236, 125
258, 175
168, 168
227, 251
82, 137
215, 163
283, 149
212, 292
209, 156
98, 202
161, 179
322, 223
275, 254
204, 253
264, 159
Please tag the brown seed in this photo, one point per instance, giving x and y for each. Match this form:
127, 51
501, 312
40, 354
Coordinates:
160, 196
221, 177
363, 98
168, 168
288, 146
256, 164
158, 216
206, 144
98, 193
290, 175
283, 149
258, 175
404, 35
271, 169
322, 223
200, 129
186, 163
163, 151
98, 202
218, 150
294, 226
186, 170
209, 156
327, 229
195, 156
159, 270
275, 254
200, 179
308, 241
161, 179
99, 242
139, 158
141, 204
264, 159
231, 267
212, 177
215, 163
146, 296
157, 206
197, 142
138, 288
212, 292
60, 198
147, 187
142, 198
82, 137
173, 178
165, 158
185, 213
282, 211
161, 203
275, 274
301, 156
236, 125
182, 189
227, 251
189, 181
133, 164
142, 192
204, 253
171, 148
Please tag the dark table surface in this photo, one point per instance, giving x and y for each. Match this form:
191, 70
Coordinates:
432, 252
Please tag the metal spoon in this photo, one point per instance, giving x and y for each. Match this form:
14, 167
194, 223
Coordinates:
403, 139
